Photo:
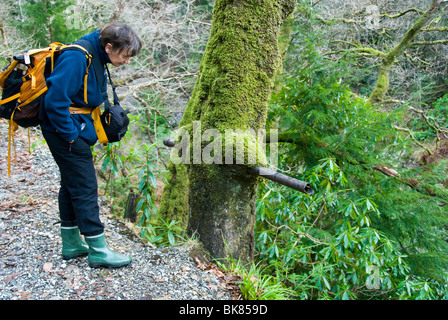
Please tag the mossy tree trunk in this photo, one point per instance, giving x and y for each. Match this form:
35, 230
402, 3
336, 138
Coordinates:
236, 77
388, 59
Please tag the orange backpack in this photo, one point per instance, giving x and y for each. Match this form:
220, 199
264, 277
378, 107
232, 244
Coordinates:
24, 85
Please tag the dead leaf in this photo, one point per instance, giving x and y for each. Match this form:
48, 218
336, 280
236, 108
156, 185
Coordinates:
213, 287
11, 277
217, 272
232, 278
253, 279
201, 266
25, 295
48, 266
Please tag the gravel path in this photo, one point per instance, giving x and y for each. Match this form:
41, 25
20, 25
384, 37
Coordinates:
31, 266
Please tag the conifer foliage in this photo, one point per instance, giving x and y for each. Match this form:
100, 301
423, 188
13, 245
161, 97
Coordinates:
376, 226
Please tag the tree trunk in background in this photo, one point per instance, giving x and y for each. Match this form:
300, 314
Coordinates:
382, 85
235, 81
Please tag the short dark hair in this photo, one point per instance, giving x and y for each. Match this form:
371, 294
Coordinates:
121, 37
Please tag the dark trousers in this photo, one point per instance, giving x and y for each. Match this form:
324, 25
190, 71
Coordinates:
78, 195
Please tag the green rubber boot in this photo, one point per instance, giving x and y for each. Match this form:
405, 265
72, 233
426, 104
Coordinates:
101, 256
72, 244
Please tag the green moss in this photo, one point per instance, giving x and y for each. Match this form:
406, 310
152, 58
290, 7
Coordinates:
236, 73
382, 85
174, 202
233, 89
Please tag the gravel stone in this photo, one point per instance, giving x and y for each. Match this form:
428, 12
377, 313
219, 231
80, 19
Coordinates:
31, 265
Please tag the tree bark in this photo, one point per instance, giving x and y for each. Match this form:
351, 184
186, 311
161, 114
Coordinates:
236, 77
131, 203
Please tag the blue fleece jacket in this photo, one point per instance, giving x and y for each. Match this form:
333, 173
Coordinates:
66, 85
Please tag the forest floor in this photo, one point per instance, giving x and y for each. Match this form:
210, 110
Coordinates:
31, 266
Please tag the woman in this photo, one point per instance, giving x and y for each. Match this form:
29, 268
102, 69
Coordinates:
69, 138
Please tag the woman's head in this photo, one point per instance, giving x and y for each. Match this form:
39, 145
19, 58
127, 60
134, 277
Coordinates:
120, 43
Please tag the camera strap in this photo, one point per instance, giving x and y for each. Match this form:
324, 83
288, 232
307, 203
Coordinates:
112, 124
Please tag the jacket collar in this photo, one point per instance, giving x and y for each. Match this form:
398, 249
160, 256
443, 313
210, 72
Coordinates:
94, 39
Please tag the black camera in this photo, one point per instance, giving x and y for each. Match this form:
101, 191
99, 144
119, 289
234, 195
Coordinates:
115, 122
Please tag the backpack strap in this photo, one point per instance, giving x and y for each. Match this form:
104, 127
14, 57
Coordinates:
95, 113
89, 57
